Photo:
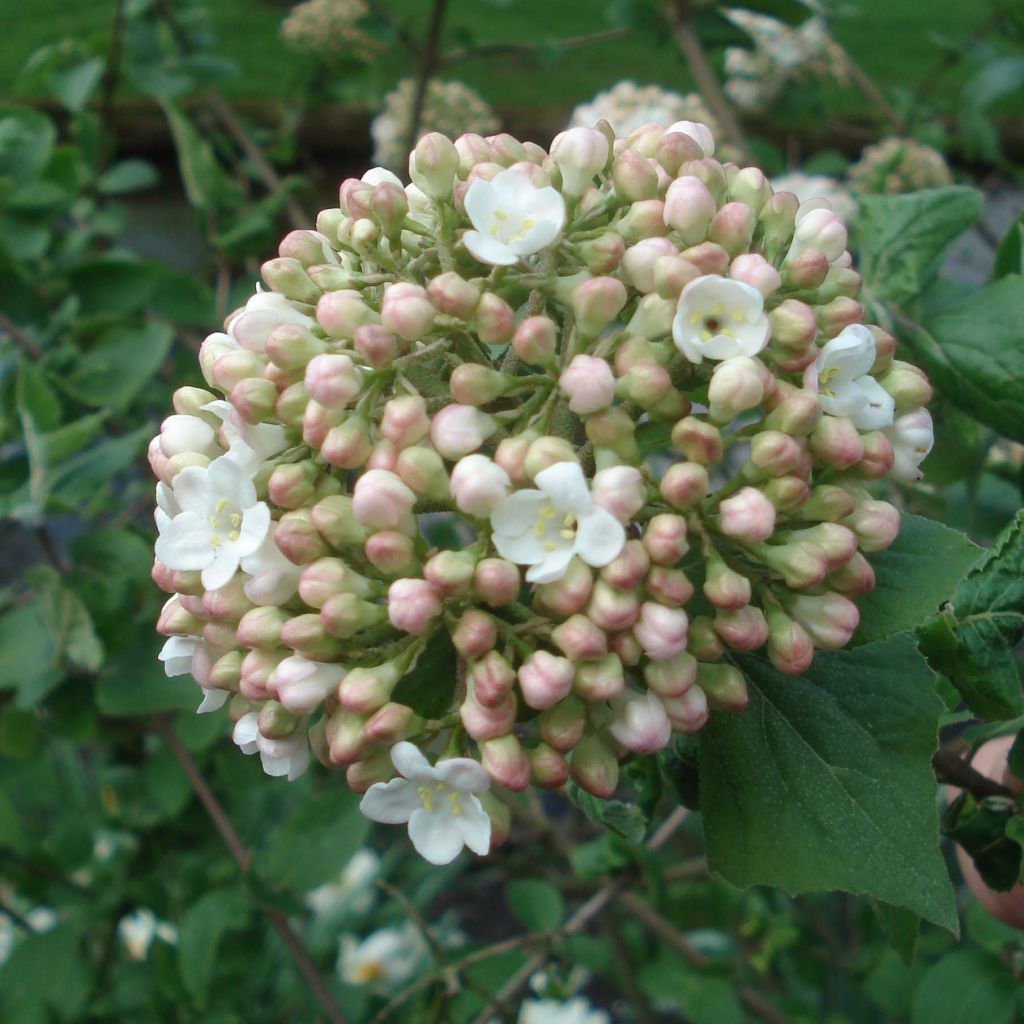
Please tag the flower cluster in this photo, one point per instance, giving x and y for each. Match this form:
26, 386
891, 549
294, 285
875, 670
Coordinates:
627, 106
491, 483
898, 165
781, 54
819, 186
329, 30
448, 108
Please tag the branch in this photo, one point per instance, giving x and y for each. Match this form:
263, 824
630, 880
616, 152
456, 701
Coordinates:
953, 769
242, 858
529, 49
428, 61
20, 338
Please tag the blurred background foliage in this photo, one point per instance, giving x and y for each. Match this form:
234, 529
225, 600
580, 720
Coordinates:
151, 153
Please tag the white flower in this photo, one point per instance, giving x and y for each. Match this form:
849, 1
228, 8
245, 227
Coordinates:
138, 930
381, 176
700, 133
810, 187
628, 106
718, 318
841, 373
275, 579
352, 891
439, 804
912, 437
249, 444
180, 655
264, 311
511, 217
574, 1011
220, 521
388, 958
545, 528
288, 757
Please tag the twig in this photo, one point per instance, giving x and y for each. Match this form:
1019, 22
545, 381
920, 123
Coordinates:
112, 71
242, 858
950, 767
417, 918
678, 15
20, 338
529, 49
867, 86
428, 61
697, 867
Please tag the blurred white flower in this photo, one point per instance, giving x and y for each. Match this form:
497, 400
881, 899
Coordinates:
388, 958
573, 1011
807, 187
287, 757
138, 930
352, 891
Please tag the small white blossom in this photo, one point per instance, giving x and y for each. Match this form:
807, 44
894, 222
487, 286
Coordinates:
249, 444
718, 318
438, 803
545, 528
251, 325
511, 217
386, 959
352, 890
841, 374
139, 929
275, 579
180, 655
287, 757
912, 437
574, 1011
220, 521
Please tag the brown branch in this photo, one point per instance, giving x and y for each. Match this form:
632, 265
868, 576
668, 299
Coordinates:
529, 49
242, 858
951, 768
112, 72
20, 338
678, 15
428, 61
871, 91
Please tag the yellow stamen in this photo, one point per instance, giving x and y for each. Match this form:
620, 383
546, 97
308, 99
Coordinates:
214, 541
233, 536
706, 335
236, 519
567, 534
696, 319
548, 546
221, 505
427, 797
453, 799
715, 310
738, 316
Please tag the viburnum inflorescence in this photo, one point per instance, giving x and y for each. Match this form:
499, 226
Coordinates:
511, 346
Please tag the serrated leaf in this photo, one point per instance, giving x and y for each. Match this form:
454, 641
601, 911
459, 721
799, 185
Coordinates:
624, 819
974, 354
824, 781
972, 642
902, 238
913, 577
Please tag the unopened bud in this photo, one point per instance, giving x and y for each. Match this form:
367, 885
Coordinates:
494, 319
458, 430
735, 387
454, 295
580, 639
829, 618
698, 441
689, 209
506, 762
391, 553
661, 631
535, 340
665, 538
563, 725
548, 768
412, 605
876, 524
724, 687
594, 768
640, 724
496, 581
685, 484
433, 165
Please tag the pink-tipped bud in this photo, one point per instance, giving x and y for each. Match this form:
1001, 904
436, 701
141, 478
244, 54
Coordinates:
619, 490
506, 762
671, 678
332, 380
391, 553
754, 270
292, 484
685, 484
837, 442
838, 542
742, 629
687, 713
473, 384
547, 451
450, 572
629, 567
348, 445
588, 384
772, 454
299, 540
494, 319
175, 620
818, 229
640, 259
562, 725
433, 165
344, 615
689, 209
644, 219
599, 680
492, 679
672, 274
735, 387
879, 456
535, 340
343, 733
640, 724
336, 522
676, 148
909, 386
647, 384
724, 687
302, 685
359, 775
799, 563
567, 595
594, 768
488, 723
382, 501
876, 524
545, 679
478, 485
579, 639
548, 768
413, 605
665, 539
597, 303
612, 609
511, 456
790, 647
698, 441
496, 581
634, 177
613, 428
580, 154
375, 344
424, 472
261, 628
406, 310
328, 576
794, 325
805, 271
393, 723
602, 255
454, 295
732, 228
475, 634
854, 579
405, 421
458, 430
661, 631
748, 515
341, 312
829, 618
724, 587
670, 587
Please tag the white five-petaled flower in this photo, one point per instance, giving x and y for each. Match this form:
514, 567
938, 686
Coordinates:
511, 217
545, 528
439, 804
250, 444
251, 325
288, 757
912, 437
181, 656
275, 579
388, 957
718, 318
573, 1011
219, 522
841, 375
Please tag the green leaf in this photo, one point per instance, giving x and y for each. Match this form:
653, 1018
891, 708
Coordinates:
974, 354
972, 641
537, 905
903, 238
913, 577
28, 654
1010, 254
624, 819
428, 688
201, 930
824, 781
136, 684
27, 139
316, 842
74, 85
113, 284
127, 176
201, 175
50, 966
120, 364
980, 827
68, 620
969, 986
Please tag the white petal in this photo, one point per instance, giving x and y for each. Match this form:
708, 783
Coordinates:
518, 512
177, 653
475, 826
489, 250
410, 762
877, 411
255, 524
212, 700
463, 774
246, 731
231, 481
193, 490
599, 538
185, 543
851, 352
390, 803
221, 570
381, 176
566, 486
524, 549
553, 566
435, 835
481, 203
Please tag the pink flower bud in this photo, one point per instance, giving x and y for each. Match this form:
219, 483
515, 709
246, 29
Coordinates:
829, 618
506, 762
335, 521
485, 723
597, 303
496, 581
341, 312
639, 260
181, 434
750, 186
687, 713
360, 775
288, 277
175, 620
229, 602
494, 319
343, 733
348, 446
478, 485
794, 325
748, 515
433, 165
593, 767
732, 228
391, 553
535, 340
698, 441
854, 579
393, 723
876, 524
613, 428
473, 384
511, 456
407, 311
772, 453
724, 687
671, 678
672, 274
668, 586
475, 634
567, 595
755, 270
545, 679
261, 627
800, 563
662, 631
685, 484
579, 639
375, 344
547, 451
908, 385
676, 148
562, 725
723, 586
299, 540
790, 648
382, 501
255, 671
879, 456
838, 542
836, 442
588, 384
645, 219
405, 421
612, 609
344, 615
806, 271
619, 490
602, 255
548, 769
492, 679
743, 629
599, 680
689, 209
454, 295
450, 572
306, 635
818, 229
665, 539
580, 154
735, 387
640, 723
412, 605
328, 576
332, 380
838, 314
633, 176
423, 470
458, 430
302, 685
